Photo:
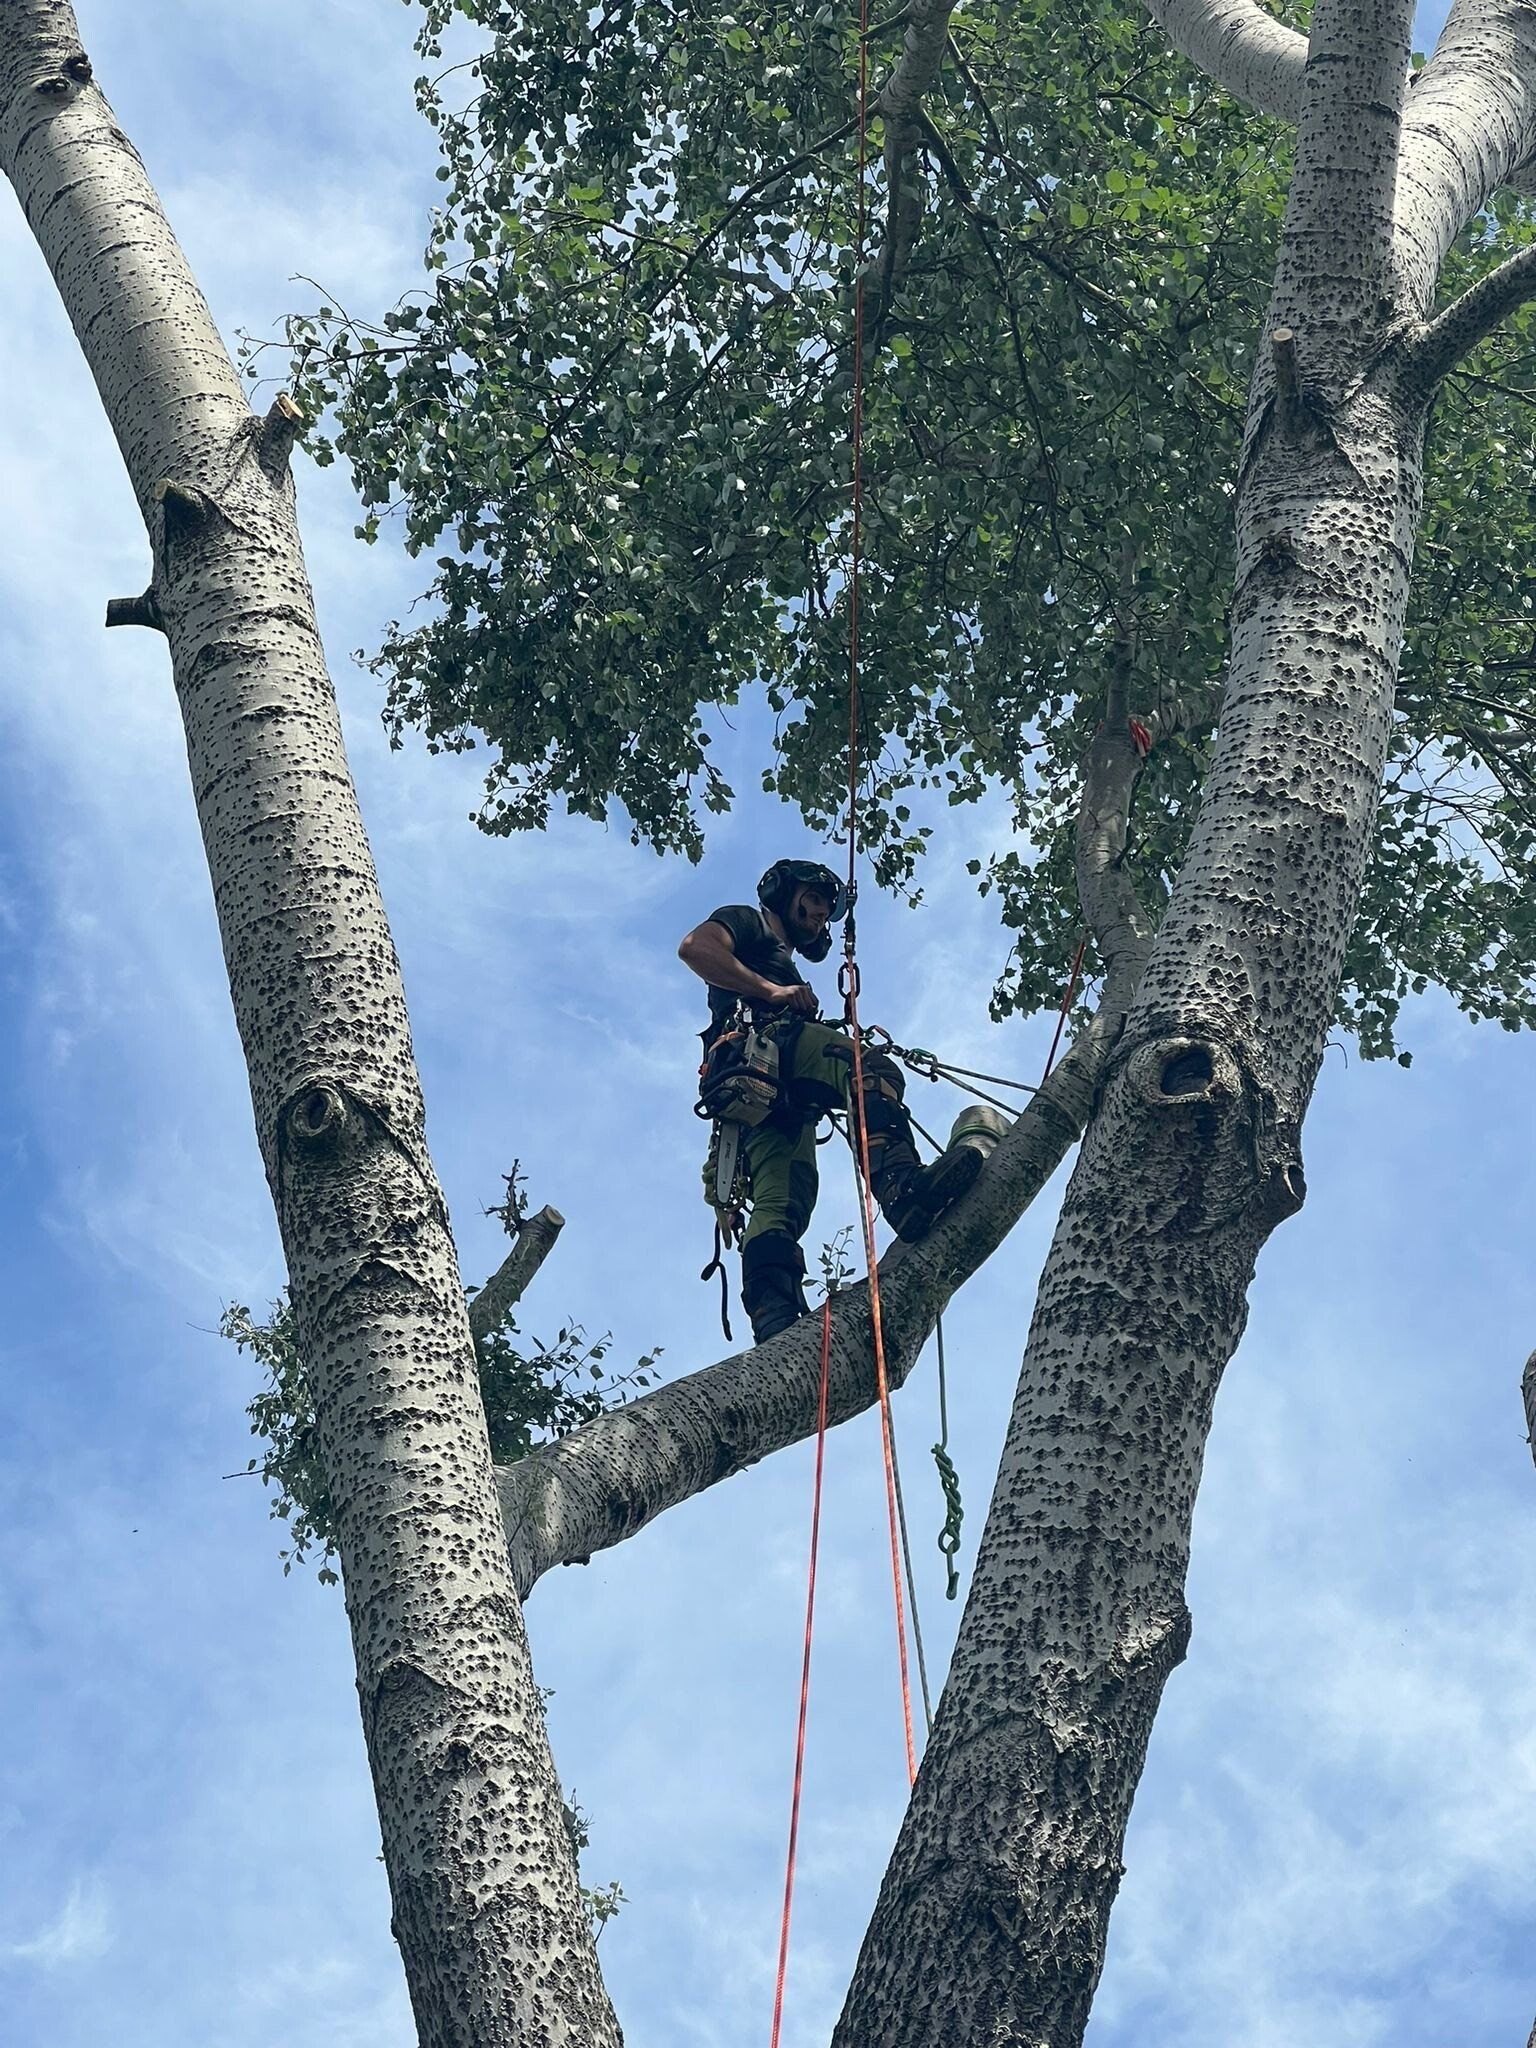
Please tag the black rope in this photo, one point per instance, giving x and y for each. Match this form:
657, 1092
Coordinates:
906, 1558
997, 1080
932, 1068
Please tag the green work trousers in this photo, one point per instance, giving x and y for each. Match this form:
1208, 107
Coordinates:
816, 1076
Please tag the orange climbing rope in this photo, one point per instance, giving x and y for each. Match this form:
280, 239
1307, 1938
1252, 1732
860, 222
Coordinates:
1066, 1005
848, 978
805, 1666
848, 984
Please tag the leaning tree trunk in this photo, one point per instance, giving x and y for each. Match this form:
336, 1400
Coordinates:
486, 1907
991, 1922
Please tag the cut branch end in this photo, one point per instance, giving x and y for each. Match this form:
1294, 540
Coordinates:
183, 504
1283, 344
135, 611
284, 423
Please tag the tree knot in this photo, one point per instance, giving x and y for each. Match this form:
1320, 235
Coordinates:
316, 1115
73, 72
1169, 1072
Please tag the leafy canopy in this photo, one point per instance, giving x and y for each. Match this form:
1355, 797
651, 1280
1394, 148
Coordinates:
615, 419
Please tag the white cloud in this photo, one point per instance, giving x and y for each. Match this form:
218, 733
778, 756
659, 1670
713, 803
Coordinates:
80, 1932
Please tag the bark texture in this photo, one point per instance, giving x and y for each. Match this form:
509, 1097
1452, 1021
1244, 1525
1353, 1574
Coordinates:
486, 1909
1241, 45
991, 1922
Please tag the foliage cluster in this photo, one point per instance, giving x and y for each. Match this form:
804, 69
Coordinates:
615, 419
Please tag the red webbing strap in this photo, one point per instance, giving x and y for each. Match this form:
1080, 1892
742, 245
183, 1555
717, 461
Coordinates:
805, 1667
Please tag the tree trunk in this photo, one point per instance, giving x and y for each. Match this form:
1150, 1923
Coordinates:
486, 1907
991, 1922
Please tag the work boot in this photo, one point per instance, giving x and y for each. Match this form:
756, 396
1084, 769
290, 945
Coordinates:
914, 1203
772, 1268
912, 1197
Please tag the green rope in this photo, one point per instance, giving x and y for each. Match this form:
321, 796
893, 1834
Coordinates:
949, 1479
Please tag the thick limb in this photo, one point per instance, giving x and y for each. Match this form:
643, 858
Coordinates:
607, 1480
1240, 45
1470, 128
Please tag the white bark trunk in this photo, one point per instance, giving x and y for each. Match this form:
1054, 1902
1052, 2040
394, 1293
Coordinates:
496, 1946
991, 1922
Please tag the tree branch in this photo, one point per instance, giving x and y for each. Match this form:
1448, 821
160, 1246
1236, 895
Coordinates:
488, 1309
900, 105
1441, 343
590, 1490
1470, 128
1242, 47
1528, 1391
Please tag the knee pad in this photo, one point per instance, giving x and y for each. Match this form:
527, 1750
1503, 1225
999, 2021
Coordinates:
882, 1076
772, 1251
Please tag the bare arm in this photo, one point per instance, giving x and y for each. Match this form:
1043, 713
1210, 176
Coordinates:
711, 952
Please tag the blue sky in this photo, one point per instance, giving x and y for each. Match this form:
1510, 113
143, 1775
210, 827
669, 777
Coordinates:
1336, 1837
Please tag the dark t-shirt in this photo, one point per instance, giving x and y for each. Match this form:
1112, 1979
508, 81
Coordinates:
757, 947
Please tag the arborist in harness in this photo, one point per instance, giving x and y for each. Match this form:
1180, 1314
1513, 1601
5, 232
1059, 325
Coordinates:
772, 1070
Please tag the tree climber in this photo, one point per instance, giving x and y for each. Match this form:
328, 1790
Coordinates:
746, 955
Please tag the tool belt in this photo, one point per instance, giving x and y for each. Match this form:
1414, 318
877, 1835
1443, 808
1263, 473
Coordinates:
739, 1081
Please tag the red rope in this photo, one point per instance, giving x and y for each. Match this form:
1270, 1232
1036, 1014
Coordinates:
1066, 1004
850, 968
850, 979
805, 1667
